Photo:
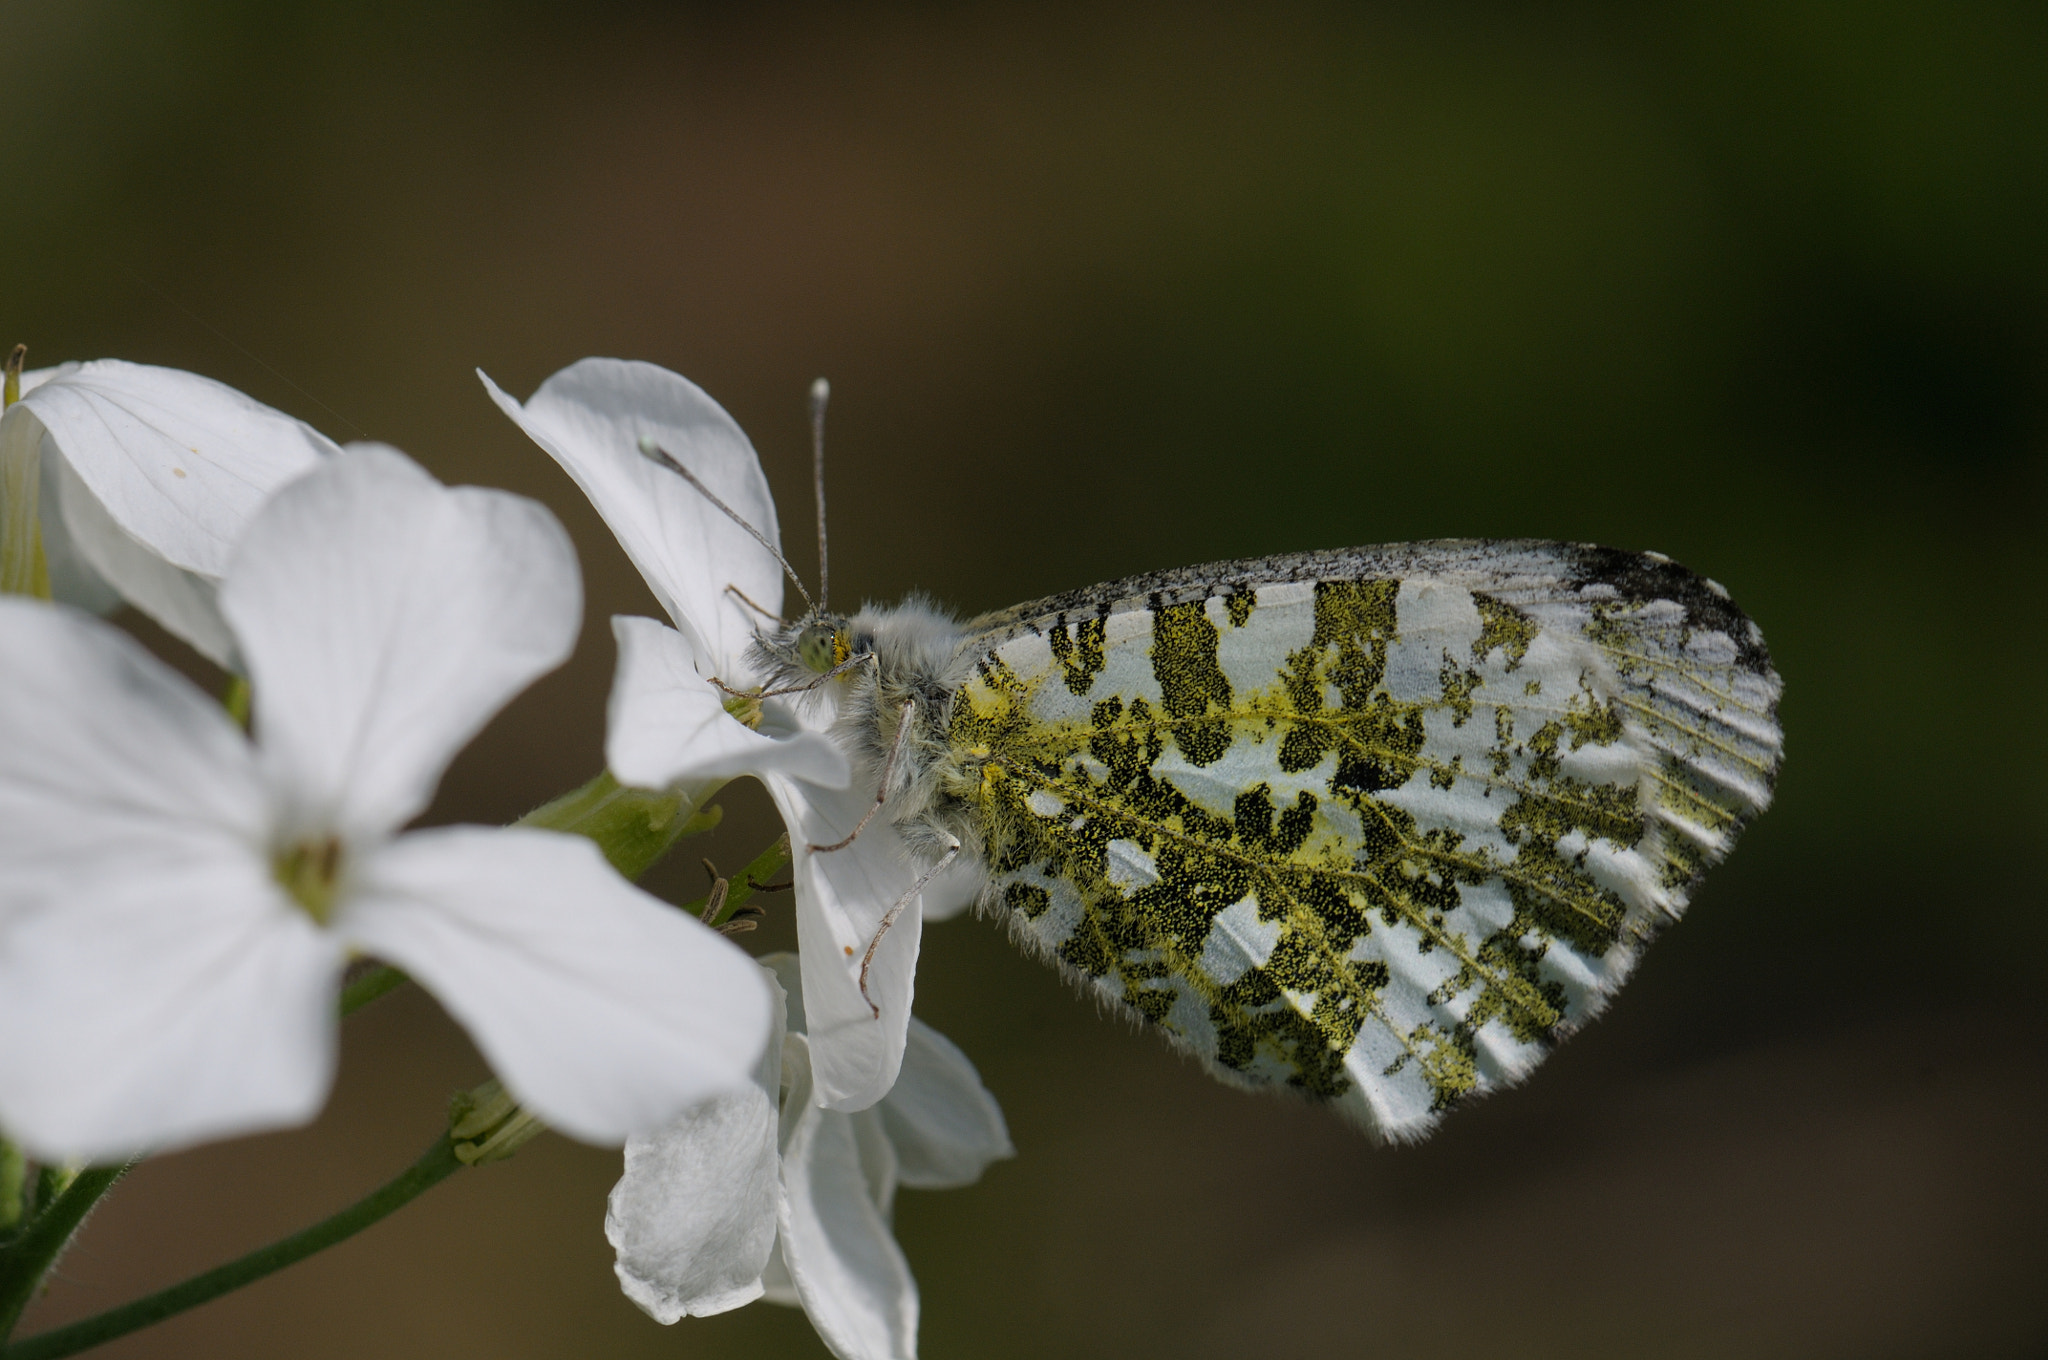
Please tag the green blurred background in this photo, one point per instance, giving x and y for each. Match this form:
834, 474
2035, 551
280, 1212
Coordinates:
1759, 285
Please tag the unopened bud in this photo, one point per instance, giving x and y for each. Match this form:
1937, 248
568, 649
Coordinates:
486, 1125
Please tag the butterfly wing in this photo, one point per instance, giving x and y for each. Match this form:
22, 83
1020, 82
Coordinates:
1377, 826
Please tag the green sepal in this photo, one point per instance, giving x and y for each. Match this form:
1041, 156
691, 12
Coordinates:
634, 827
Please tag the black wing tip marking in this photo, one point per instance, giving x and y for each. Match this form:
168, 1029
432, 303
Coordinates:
1638, 578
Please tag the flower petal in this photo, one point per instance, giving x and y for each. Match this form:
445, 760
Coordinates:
841, 897
944, 1124
605, 1011
185, 603
155, 986
170, 998
855, 1285
694, 1217
32, 378
776, 1286
73, 578
668, 724
101, 744
180, 462
590, 417
878, 1161
385, 618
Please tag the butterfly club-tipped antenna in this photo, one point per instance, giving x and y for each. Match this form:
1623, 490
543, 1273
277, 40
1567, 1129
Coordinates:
654, 452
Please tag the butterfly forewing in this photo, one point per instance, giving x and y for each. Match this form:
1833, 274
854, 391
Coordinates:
1375, 826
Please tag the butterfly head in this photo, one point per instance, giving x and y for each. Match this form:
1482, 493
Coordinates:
823, 644
799, 656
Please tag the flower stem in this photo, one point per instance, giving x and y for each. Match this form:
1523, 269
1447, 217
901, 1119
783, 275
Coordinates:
29, 1257
436, 1165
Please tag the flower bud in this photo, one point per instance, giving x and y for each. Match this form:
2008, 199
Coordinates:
486, 1125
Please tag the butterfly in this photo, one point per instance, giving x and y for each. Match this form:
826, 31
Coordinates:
1376, 826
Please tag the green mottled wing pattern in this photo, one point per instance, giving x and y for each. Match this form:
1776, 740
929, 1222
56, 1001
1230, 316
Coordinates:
1376, 826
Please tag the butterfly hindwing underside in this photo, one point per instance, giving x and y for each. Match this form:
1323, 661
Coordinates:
1375, 826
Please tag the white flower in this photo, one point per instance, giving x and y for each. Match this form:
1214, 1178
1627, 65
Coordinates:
668, 722
177, 903
763, 1192
142, 479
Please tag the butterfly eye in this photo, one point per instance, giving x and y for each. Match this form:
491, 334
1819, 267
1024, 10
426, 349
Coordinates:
816, 647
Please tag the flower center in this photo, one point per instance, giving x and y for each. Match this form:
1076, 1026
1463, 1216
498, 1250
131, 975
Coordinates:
745, 707
309, 871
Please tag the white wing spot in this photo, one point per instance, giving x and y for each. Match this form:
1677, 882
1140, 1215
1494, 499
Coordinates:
1129, 866
1238, 942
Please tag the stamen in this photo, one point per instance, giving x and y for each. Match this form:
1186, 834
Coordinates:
310, 872
746, 707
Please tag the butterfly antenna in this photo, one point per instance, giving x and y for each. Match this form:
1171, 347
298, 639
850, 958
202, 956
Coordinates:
656, 453
821, 393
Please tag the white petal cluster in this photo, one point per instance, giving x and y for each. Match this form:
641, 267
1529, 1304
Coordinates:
179, 897
142, 480
763, 1192
177, 902
668, 723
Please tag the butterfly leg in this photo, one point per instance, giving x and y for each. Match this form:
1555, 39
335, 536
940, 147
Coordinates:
882, 793
889, 917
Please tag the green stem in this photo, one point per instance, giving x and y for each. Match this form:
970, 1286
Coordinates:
438, 1163
29, 1257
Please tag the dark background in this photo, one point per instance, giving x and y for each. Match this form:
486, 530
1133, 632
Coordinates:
1104, 288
